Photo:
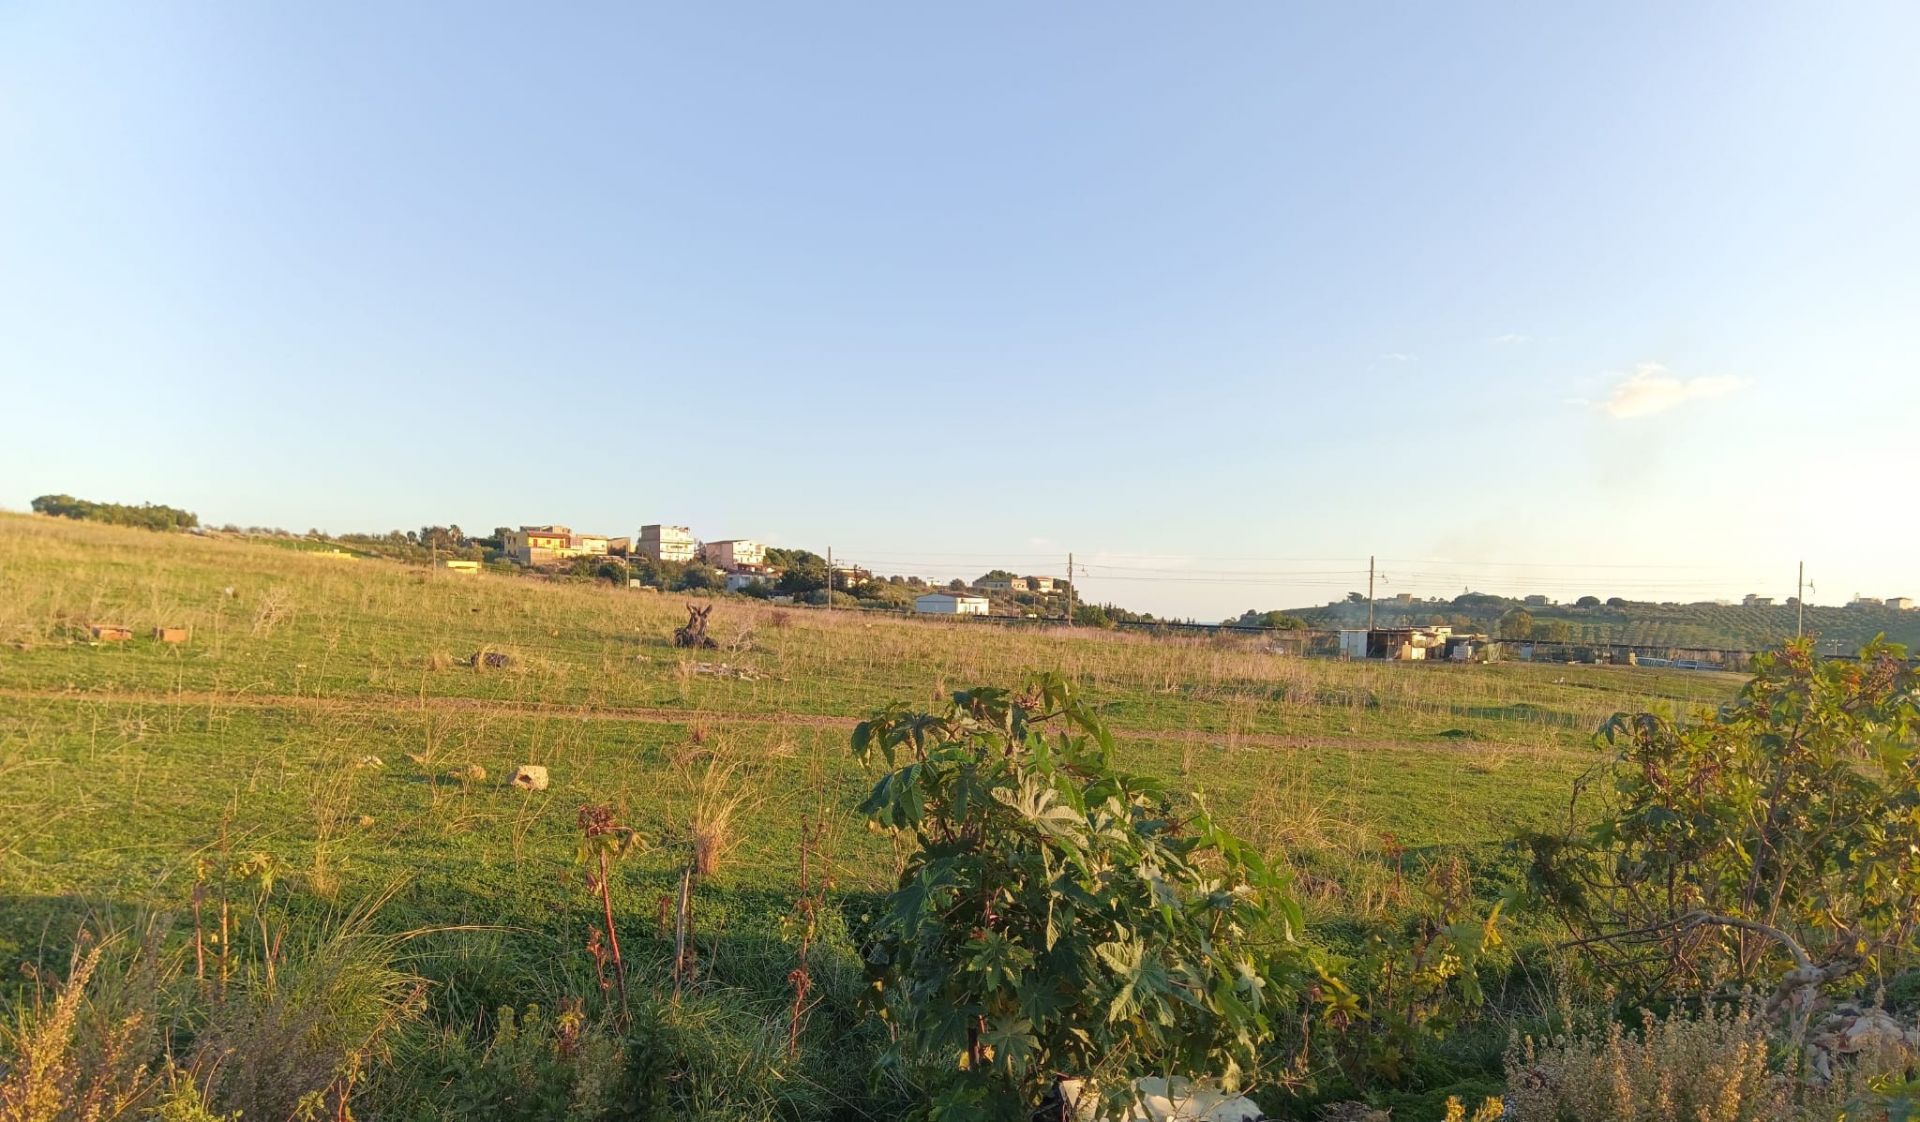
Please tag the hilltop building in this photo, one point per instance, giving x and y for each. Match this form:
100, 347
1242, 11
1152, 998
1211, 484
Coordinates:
1016, 584
736, 555
1900, 603
668, 543
1752, 600
535, 545
543, 545
1866, 602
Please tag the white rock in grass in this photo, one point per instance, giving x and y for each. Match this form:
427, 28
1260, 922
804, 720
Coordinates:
1162, 1100
528, 777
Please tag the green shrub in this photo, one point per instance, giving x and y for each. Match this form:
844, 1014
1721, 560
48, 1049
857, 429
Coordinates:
1059, 916
1415, 979
1775, 841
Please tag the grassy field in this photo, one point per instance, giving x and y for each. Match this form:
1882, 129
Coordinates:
124, 764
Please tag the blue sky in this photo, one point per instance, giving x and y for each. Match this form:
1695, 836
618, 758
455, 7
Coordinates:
1222, 299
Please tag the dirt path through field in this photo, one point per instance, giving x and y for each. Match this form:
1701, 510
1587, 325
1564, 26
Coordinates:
641, 714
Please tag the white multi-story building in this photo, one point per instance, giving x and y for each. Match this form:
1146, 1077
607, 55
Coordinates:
668, 543
736, 554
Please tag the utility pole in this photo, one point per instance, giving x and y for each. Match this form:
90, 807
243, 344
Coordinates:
1800, 603
829, 578
1069, 590
1369, 596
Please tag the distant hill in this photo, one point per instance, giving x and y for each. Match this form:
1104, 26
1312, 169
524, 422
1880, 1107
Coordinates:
1638, 623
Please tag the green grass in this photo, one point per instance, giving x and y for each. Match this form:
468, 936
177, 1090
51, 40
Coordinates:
123, 763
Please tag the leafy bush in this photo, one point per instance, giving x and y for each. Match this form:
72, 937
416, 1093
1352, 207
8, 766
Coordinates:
698, 576
884, 593
1776, 839
1059, 916
1413, 981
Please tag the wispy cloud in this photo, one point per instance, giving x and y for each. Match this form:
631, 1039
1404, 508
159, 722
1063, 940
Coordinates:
1652, 388
1397, 356
1510, 339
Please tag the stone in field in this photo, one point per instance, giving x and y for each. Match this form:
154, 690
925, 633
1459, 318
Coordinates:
1162, 1100
529, 777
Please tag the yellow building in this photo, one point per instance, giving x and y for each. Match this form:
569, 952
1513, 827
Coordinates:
543, 545
536, 545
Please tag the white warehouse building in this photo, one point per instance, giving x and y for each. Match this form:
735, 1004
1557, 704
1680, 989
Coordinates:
950, 604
